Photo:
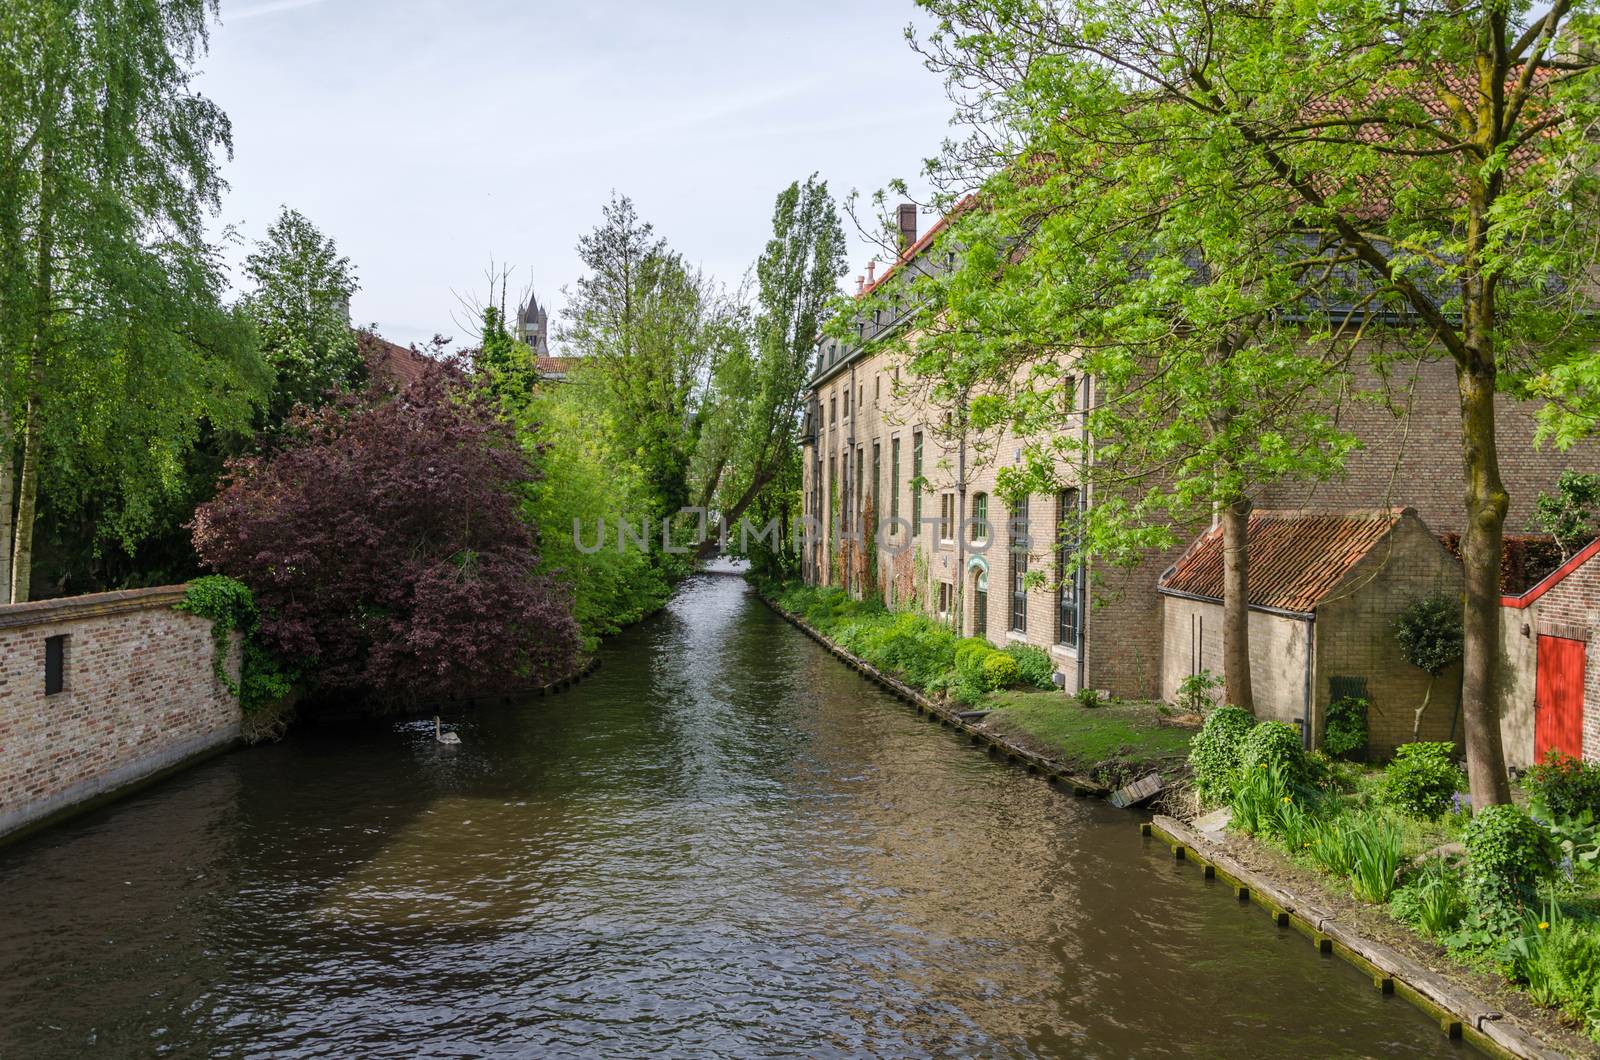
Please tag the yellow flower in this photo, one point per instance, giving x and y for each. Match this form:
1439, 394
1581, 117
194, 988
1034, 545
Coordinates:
1262, 766
1544, 925
1287, 799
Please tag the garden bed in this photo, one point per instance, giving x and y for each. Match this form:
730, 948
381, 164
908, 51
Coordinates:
1499, 903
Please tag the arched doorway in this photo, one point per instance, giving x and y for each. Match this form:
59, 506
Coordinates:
978, 571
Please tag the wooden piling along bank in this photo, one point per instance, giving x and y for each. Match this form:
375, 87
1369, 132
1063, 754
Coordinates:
1036, 764
1459, 1012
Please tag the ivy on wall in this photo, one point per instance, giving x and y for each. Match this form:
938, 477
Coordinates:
231, 607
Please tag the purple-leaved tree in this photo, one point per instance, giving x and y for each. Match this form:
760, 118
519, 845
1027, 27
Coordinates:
386, 545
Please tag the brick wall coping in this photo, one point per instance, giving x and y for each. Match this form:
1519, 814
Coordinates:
90, 605
1555, 577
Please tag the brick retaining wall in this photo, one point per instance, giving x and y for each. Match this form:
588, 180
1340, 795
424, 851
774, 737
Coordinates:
138, 696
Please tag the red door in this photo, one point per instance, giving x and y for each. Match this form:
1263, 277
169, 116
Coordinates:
1558, 698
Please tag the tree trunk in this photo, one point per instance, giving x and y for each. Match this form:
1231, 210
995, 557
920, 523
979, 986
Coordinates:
1236, 606
8, 494
28, 491
44, 300
1480, 556
732, 516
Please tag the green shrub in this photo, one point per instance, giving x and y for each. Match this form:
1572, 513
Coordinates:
1275, 745
1000, 671
1088, 698
1435, 901
1197, 693
1564, 787
908, 644
970, 652
1557, 958
1421, 779
1038, 669
1507, 854
1214, 754
1345, 734
1375, 858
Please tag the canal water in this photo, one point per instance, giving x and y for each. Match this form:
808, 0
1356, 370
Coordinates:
724, 843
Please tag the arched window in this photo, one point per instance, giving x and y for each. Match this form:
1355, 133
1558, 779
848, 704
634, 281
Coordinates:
980, 518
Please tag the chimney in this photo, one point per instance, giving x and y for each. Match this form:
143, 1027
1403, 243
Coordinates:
871, 265
906, 218
861, 283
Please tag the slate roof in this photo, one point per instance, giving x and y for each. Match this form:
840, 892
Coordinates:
1297, 558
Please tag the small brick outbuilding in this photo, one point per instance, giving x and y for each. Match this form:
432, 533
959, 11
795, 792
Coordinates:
1550, 665
1325, 591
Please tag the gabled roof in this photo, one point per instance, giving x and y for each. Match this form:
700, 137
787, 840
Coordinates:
1556, 577
1296, 558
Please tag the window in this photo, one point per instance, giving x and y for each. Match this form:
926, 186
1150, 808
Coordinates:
1069, 395
947, 517
833, 488
861, 395
980, 518
894, 478
55, 664
1069, 574
946, 598
877, 475
846, 402
1019, 567
833, 408
877, 387
860, 497
844, 496
916, 484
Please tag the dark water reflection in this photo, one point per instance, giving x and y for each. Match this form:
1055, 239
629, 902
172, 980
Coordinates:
724, 843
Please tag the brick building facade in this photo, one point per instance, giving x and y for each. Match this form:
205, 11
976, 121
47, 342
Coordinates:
1325, 591
101, 691
871, 430
1550, 664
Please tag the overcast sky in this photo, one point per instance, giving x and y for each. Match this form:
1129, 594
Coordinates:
428, 136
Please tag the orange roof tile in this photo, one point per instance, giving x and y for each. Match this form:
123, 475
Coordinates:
1296, 557
557, 366
388, 363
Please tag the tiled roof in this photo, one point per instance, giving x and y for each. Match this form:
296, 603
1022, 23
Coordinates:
1296, 558
388, 363
557, 367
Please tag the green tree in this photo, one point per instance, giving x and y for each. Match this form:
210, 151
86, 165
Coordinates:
1440, 158
650, 330
760, 386
1568, 515
117, 351
300, 303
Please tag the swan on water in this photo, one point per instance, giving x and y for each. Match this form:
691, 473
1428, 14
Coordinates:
440, 735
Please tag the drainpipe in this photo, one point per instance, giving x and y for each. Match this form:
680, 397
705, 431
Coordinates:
961, 515
1083, 588
1311, 654
850, 448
